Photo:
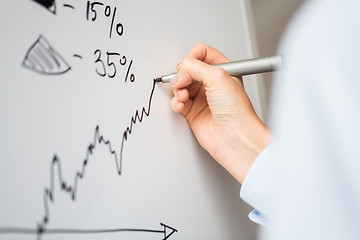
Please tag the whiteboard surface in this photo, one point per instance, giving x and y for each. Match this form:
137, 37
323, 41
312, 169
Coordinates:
57, 112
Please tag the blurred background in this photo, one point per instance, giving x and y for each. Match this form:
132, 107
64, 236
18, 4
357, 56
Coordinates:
270, 18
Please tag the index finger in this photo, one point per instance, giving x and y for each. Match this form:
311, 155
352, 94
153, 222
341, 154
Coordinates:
207, 54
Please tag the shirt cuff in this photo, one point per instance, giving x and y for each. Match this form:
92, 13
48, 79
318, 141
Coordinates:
258, 185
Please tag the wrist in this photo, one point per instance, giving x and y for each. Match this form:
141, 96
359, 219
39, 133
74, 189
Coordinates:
239, 149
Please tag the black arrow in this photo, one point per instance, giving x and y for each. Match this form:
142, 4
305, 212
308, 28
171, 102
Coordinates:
167, 231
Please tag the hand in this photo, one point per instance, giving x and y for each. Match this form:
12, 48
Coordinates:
219, 111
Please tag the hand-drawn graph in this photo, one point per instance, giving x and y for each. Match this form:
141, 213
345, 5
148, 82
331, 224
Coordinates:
71, 189
44, 59
49, 4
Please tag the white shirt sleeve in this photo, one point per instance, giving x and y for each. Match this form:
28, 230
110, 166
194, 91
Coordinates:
257, 188
315, 193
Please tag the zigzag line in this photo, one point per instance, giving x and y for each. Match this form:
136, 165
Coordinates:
55, 165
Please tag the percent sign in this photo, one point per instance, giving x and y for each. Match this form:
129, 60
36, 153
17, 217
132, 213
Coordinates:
132, 76
110, 66
108, 12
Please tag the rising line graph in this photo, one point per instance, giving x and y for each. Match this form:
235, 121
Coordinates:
71, 188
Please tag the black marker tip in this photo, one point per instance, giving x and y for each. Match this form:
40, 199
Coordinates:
158, 79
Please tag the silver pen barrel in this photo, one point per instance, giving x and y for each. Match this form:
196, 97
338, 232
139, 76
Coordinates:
252, 66
244, 67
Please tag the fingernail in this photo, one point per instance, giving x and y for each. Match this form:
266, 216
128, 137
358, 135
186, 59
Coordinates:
178, 66
174, 80
178, 92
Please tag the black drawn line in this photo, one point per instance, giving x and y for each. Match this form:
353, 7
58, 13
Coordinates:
44, 59
137, 117
49, 4
78, 56
71, 189
68, 6
31, 231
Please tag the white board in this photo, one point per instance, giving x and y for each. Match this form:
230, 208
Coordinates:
67, 96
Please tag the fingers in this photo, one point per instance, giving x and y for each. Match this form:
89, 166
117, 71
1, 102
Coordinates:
197, 65
181, 107
199, 56
182, 95
178, 67
206, 53
194, 69
180, 102
189, 92
193, 90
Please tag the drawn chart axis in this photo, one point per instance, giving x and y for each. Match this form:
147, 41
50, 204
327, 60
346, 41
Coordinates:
166, 231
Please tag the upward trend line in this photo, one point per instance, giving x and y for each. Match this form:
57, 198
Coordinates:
55, 165
134, 119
